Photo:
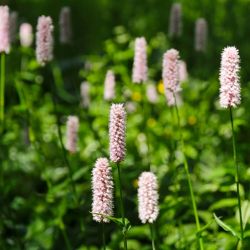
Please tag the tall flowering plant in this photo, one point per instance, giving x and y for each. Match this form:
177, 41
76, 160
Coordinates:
4, 49
230, 98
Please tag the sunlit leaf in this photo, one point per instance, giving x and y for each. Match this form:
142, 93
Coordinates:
226, 227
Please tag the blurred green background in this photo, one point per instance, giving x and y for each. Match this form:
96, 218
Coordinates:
94, 21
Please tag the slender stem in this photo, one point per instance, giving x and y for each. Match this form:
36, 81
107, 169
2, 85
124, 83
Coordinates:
103, 237
151, 226
66, 239
64, 153
121, 206
59, 84
59, 132
90, 120
145, 127
2, 87
35, 141
189, 178
236, 174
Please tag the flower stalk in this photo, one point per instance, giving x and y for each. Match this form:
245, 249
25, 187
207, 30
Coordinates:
2, 88
237, 181
200, 239
122, 206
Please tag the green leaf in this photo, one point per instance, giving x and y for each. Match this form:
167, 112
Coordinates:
125, 227
226, 227
229, 202
119, 221
245, 208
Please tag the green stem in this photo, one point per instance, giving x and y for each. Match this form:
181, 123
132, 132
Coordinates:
103, 237
66, 239
59, 133
59, 84
64, 153
189, 179
237, 174
151, 226
2, 87
90, 119
145, 127
121, 206
35, 142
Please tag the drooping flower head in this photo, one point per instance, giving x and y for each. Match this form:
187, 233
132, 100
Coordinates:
102, 188
109, 86
175, 22
229, 78
117, 127
13, 26
201, 35
148, 197
44, 40
71, 133
140, 68
26, 34
152, 95
170, 75
4, 29
65, 25
85, 95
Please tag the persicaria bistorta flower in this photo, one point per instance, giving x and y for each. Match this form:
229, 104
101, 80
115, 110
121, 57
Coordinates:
117, 127
4, 29
85, 95
170, 75
44, 40
201, 35
229, 78
175, 22
140, 68
109, 86
102, 188
152, 95
71, 133
65, 25
148, 197
183, 74
26, 34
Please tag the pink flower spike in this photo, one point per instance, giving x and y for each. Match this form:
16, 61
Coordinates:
170, 74
140, 68
152, 95
44, 40
229, 78
117, 127
71, 134
170, 97
183, 74
85, 94
148, 197
26, 34
65, 25
4, 29
201, 35
102, 188
109, 86
175, 22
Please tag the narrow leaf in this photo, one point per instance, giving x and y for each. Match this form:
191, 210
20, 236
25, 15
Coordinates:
226, 227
